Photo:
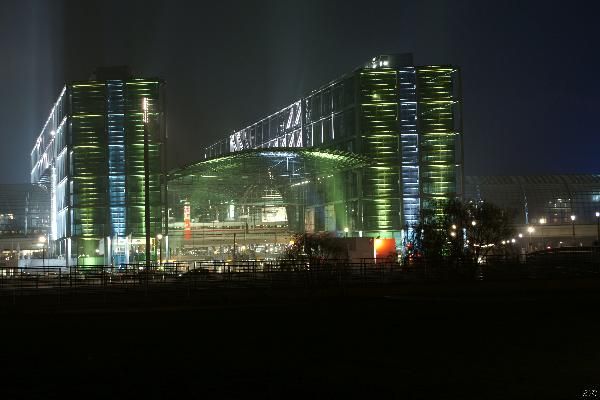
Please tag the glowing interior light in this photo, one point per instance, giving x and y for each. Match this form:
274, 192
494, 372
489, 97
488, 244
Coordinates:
145, 108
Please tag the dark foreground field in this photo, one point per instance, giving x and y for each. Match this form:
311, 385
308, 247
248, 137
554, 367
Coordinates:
530, 340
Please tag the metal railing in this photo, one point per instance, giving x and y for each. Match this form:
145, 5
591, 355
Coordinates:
191, 276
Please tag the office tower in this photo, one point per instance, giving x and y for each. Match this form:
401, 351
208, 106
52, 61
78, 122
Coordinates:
90, 154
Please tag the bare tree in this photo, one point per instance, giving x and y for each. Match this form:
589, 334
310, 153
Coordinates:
464, 231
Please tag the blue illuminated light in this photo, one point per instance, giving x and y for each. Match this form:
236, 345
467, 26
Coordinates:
116, 158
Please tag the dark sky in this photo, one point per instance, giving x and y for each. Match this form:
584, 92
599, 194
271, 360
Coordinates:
530, 69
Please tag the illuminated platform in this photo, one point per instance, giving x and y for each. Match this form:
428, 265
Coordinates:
254, 198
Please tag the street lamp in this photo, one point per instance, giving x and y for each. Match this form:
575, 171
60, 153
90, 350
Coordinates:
42, 241
542, 222
159, 237
530, 229
573, 224
346, 231
146, 183
598, 226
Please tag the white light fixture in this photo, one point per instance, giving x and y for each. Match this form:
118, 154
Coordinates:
145, 109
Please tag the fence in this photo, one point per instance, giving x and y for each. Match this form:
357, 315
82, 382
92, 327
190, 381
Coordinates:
192, 276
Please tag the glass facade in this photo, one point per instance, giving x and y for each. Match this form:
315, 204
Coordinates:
90, 155
24, 211
260, 195
405, 119
438, 132
553, 198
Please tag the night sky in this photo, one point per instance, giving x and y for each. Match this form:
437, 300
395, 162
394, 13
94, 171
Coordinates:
530, 69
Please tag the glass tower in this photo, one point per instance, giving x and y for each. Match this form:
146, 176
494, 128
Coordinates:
90, 154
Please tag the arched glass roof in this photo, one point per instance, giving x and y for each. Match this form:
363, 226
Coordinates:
278, 168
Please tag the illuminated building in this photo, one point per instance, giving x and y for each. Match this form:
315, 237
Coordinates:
404, 119
90, 155
24, 219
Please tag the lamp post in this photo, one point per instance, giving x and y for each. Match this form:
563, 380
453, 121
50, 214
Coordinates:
347, 244
159, 237
530, 229
146, 184
542, 222
598, 227
42, 241
520, 235
573, 225
471, 241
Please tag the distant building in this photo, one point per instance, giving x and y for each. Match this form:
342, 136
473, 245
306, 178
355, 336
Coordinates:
545, 205
90, 156
404, 119
24, 211
24, 222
